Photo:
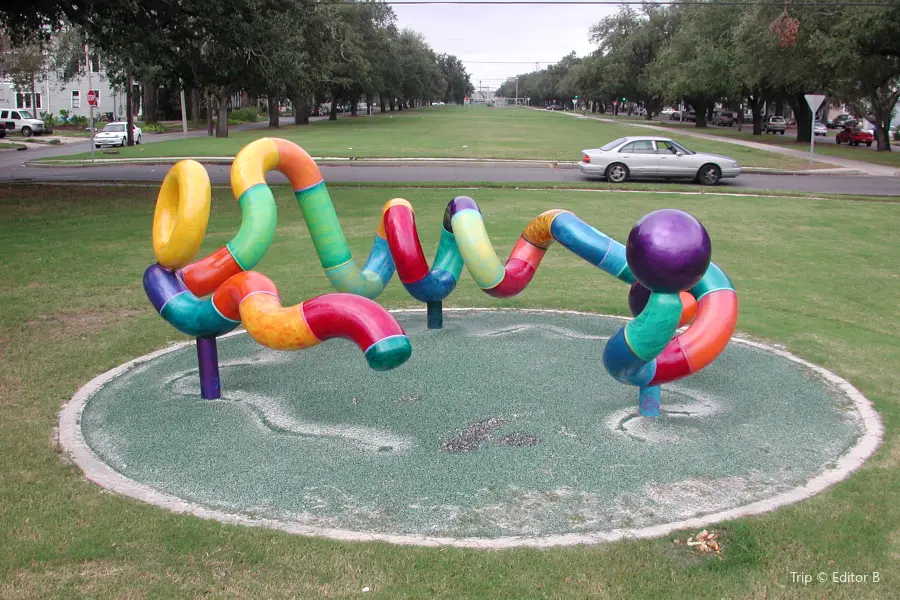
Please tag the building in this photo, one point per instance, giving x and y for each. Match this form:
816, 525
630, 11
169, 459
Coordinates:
51, 95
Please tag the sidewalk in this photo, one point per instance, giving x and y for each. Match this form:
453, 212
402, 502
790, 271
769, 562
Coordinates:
844, 163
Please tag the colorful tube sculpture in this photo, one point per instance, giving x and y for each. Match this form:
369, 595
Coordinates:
666, 261
175, 286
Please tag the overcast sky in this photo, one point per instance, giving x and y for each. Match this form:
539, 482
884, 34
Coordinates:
478, 34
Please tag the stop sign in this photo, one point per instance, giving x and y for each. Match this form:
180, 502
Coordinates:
91, 98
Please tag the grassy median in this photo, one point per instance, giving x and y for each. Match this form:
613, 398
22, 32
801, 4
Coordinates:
451, 132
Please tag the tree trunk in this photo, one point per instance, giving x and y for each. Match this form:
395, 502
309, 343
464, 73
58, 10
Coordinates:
651, 105
381, 102
332, 113
756, 103
368, 104
274, 116
803, 117
129, 110
149, 89
209, 115
779, 108
301, 110
393, 102
882, 108
353, 102
222, 117
195, 107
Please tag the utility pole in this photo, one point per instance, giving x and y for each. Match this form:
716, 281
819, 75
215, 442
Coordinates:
87, 63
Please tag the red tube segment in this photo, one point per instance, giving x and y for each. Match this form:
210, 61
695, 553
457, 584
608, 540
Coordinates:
703, 341
403, 240
205, 275
350, 316
520, 268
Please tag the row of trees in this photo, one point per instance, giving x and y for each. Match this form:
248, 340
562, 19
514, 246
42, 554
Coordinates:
303, 50
738, 56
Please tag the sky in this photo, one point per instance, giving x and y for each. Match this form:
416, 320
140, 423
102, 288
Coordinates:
486, 36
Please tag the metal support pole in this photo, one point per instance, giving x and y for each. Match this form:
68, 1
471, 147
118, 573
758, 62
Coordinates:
812, 136
435, 316
208, 361
183, 115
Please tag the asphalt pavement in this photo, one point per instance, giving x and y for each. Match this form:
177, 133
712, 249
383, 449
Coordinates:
13, 169
833, 184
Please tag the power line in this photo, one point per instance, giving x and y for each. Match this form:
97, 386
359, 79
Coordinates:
621, 2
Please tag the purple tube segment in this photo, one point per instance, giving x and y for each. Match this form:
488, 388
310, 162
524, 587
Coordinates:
208, 359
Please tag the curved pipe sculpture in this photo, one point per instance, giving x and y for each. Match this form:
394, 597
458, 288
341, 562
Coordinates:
646, 352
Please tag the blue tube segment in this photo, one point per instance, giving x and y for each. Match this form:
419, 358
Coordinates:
592, 245
161, 285
380, 261
434, 287
182, 309
624, 365
648, 401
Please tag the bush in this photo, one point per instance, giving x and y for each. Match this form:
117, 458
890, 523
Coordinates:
48, 119
152, 127
247, 114
79, 120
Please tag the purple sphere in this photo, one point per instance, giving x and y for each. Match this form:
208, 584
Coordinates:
668, 250
638, 296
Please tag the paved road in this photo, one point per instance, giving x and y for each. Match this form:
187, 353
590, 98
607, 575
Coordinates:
872, 186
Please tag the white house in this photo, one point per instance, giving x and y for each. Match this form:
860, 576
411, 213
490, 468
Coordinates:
52, 95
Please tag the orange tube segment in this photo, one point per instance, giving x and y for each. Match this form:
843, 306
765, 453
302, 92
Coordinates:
297, 165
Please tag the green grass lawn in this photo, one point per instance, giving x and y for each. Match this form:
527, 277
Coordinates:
10, 145
451, 131
818, 276
789, 140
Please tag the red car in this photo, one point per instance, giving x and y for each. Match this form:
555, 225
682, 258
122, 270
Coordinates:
855, 137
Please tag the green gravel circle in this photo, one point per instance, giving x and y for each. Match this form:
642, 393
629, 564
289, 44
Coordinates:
504, 423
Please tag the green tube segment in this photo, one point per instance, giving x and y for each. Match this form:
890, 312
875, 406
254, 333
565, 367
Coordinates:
259, 217
649, 333
448, 257
332, 248
476, 249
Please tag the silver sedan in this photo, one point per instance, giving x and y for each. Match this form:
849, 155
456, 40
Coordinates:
655, 157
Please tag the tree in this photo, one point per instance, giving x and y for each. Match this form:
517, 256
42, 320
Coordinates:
788, 68
631, 40
868, 60
695, 63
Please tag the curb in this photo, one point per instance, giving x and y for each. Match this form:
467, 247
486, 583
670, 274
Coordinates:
334, 161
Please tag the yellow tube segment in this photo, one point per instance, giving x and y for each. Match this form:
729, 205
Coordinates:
182, 213
276, 326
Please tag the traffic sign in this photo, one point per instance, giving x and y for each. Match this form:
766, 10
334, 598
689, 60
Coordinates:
814, 101
91, 98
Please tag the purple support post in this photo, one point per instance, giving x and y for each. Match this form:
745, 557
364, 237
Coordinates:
208, 359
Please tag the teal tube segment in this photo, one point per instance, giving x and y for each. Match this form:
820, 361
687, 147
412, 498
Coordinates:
189, 314
713, 280
259, 216
448, 257
649, 333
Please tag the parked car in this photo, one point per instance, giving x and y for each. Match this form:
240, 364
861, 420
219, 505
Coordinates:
2, 131
21, 120
668, 112
723, 117
819, 128
655, 157
854, 137
775, 125
840, 121
555, 107
115, 134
